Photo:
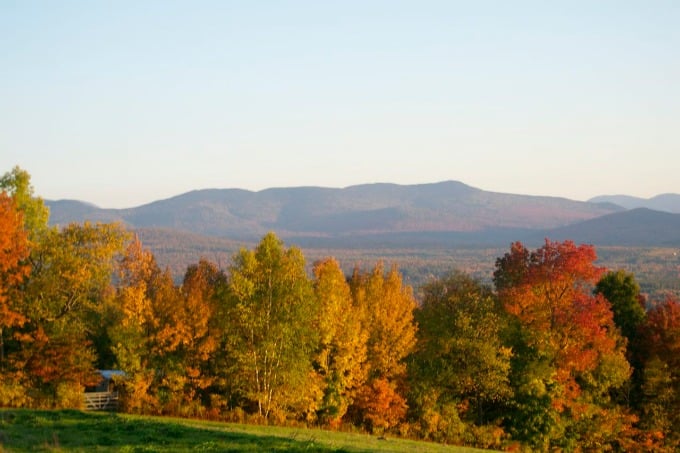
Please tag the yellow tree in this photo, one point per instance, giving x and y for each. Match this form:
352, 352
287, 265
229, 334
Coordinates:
132, 327
139, 315
341, 360
161, 337
272, 335
388, 306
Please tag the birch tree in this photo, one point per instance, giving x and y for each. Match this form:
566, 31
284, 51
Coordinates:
272, 336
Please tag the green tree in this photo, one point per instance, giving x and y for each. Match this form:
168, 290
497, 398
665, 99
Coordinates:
272, 337
623, 292
628, 307
460, 370
17, 183
72, 268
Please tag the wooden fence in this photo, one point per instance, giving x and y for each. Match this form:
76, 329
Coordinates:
101, 401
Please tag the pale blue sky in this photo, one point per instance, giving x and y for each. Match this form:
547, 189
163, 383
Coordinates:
123, 102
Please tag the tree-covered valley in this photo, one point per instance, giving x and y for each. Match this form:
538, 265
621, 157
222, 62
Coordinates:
533, 347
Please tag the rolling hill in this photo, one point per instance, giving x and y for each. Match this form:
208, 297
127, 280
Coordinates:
364, 210
639, 227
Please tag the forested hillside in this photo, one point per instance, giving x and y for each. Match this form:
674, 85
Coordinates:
555, 354
639, 227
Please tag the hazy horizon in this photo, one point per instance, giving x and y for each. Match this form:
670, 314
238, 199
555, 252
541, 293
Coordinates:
120, 104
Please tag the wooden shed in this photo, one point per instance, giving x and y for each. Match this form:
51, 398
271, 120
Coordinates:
103, 396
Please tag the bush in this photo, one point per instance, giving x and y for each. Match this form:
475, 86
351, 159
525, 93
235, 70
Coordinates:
69, 395
13, 393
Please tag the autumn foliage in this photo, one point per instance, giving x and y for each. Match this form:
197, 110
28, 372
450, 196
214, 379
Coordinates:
569, 353
660, 383
13, 253
557, 355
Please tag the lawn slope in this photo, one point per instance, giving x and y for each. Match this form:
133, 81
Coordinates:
69, 430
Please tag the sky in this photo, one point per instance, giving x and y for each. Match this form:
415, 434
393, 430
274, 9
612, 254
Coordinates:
120, 103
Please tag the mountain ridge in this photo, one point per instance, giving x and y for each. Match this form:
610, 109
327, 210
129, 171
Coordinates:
380, 208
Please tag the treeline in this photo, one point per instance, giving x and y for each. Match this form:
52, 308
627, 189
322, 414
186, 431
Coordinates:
558, 355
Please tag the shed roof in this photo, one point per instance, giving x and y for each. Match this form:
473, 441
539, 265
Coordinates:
108, 374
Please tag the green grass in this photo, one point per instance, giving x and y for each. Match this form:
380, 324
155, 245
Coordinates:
69, 430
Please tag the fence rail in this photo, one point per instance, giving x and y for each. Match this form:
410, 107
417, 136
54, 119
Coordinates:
101, 401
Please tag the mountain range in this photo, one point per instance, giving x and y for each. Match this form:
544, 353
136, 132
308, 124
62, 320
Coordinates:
448, 213
668, 202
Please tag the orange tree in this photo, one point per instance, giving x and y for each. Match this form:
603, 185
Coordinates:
162, 336
387, 305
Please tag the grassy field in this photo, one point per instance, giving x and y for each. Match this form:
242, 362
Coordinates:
69, 430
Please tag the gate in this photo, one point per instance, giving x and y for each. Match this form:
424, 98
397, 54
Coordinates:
101, 401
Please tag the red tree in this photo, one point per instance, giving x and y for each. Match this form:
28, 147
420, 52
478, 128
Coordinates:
569, 354
13, 269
